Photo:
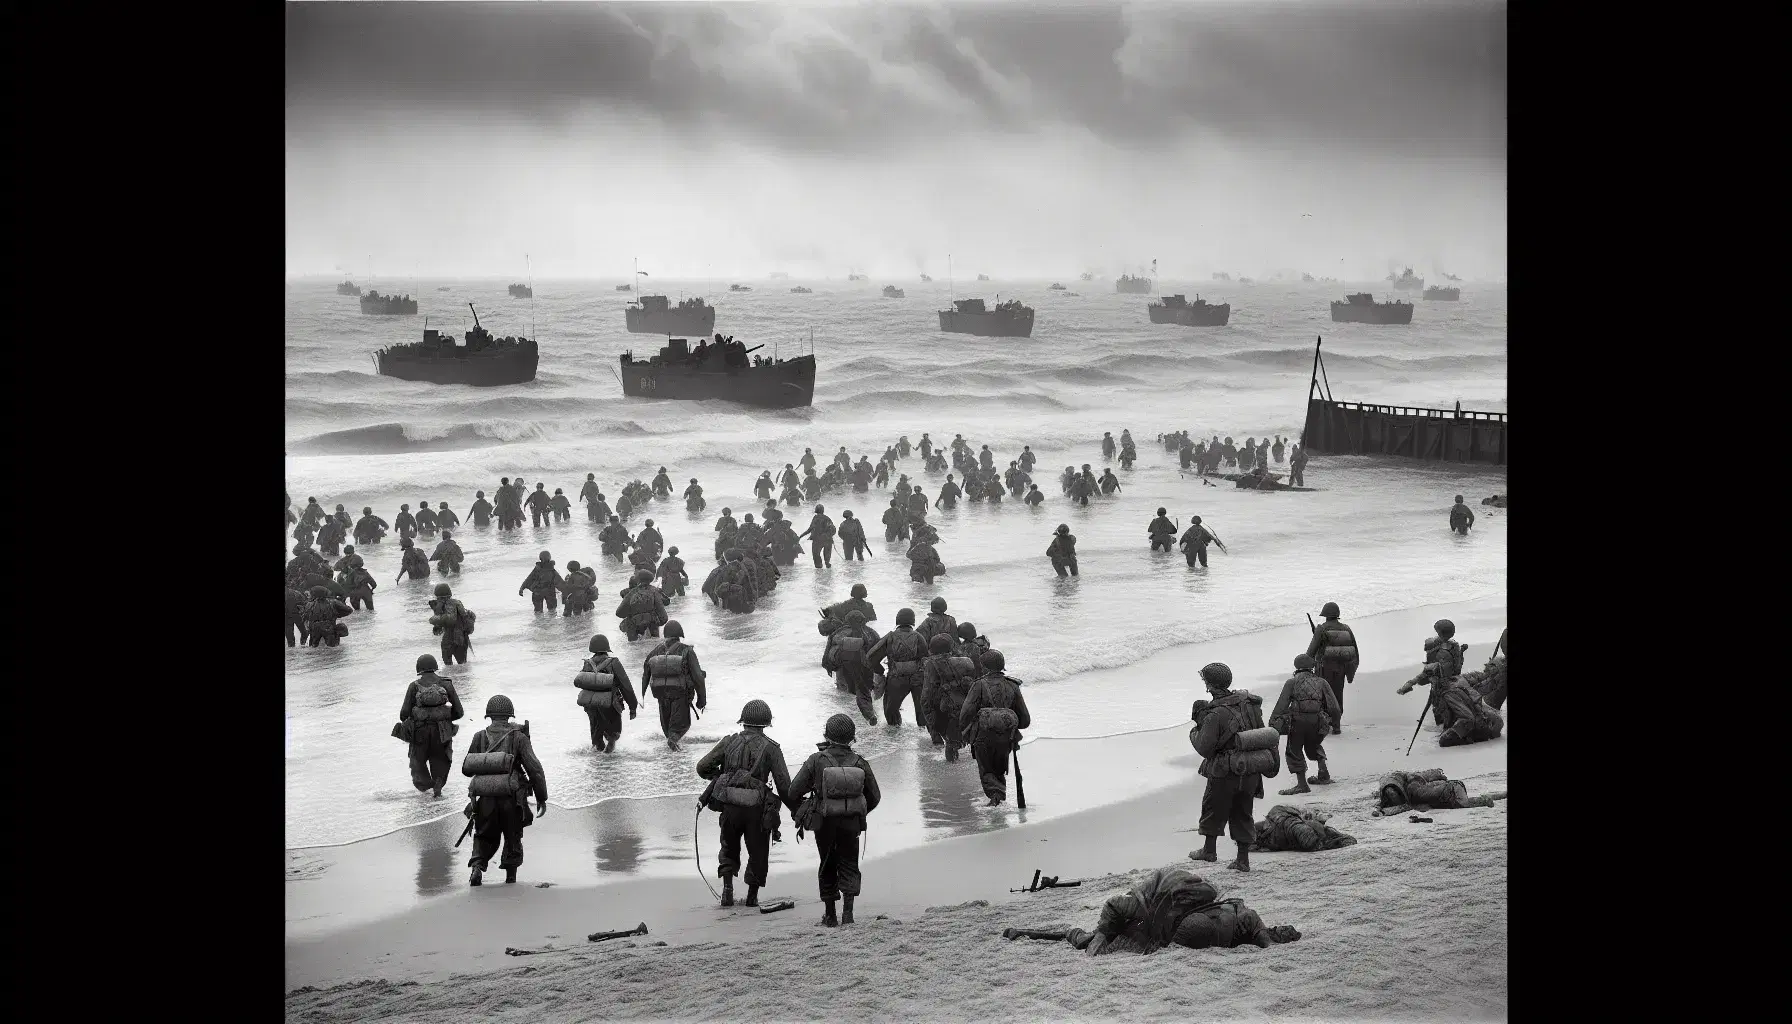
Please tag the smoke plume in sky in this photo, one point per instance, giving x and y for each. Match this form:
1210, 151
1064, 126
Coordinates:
1025, 139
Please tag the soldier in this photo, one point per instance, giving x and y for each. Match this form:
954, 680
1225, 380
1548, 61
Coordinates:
905, 648
763, 487
725, 530
843, 791
589, 493
1297, 465
448, 555
313, 514
693, 497
542, 583
1231, 788
1034, 497
356, 581
676, 679
578, 590
1458, 708
1276, 449
895, 519
937, 621
741, 766
1461, 517
650, 539
481, 512
604, 708
948, 496
540, 505
453, 622
321, 613
807, 461
561, 507
1194, 542
1107, 445
642, 608
295, 618
499, 816
852, 537
1110, 484
856, 602
993, 715
445, 517
1304, 713
330, 536
1080, 487
673, 578
1161, 531
411, 562
821, 538
614, 540
1062, 551
509, 507
426, 519
430, 707
404, 524
1334, 646
946, 678
662, 484
369, 528
924, 561
846, 657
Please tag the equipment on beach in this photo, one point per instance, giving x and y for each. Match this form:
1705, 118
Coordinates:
773, 908
640, 929
1048, 882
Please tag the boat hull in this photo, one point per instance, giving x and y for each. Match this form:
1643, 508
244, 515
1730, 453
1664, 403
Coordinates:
675, 322
786, 385
1443, 295
1379, 313
478, 370
1133, 287
1192, 316
987, 325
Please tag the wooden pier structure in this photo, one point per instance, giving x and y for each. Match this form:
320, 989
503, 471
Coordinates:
1360, 428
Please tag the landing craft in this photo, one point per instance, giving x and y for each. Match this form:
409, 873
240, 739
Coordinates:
723, 369
483, 362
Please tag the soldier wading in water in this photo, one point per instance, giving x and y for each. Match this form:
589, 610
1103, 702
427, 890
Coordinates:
740, 768
676, 680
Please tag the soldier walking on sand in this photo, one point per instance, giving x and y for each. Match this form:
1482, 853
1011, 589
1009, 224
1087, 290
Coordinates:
1334, 647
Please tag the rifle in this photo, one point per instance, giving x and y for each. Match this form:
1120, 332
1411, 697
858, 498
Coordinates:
1432, 693
1049, 882
640, 929
464, 832
1020, 784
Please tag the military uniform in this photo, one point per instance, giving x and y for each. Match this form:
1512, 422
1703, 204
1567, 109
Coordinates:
847, 656
1227, 800
500, 820
677, 692
432, 735
836, 835
749, 759
905, 650
991, 747
1335, 648
1304, 713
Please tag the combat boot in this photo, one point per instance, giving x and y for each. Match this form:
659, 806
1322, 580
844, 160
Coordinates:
477, 878
1243, 863
752, 895
1209, 850
846, 910
828, 919
509, 876
1324, 778
1300, 785
727, 890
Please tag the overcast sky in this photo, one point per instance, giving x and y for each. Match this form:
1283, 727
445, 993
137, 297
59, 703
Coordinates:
1026, 139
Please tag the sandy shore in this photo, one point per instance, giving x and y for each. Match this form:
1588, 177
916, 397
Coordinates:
1383, 921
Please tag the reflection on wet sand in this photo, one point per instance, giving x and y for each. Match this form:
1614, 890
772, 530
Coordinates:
620, 846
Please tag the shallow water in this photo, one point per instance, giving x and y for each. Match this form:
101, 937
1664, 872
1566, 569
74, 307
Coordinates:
1374, 538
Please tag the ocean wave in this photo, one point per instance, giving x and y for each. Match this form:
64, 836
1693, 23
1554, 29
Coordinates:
882, 401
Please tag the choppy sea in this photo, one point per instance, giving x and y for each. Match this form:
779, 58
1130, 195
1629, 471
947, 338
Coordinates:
1374, 537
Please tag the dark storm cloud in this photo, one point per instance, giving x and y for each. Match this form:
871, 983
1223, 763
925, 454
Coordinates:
1408, 78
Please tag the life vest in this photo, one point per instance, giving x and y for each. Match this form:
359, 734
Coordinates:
1340, 643
666, 672
494, 772
597, 689
840, 791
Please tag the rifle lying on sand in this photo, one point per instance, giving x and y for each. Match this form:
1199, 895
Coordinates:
1049, 882
640, 929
